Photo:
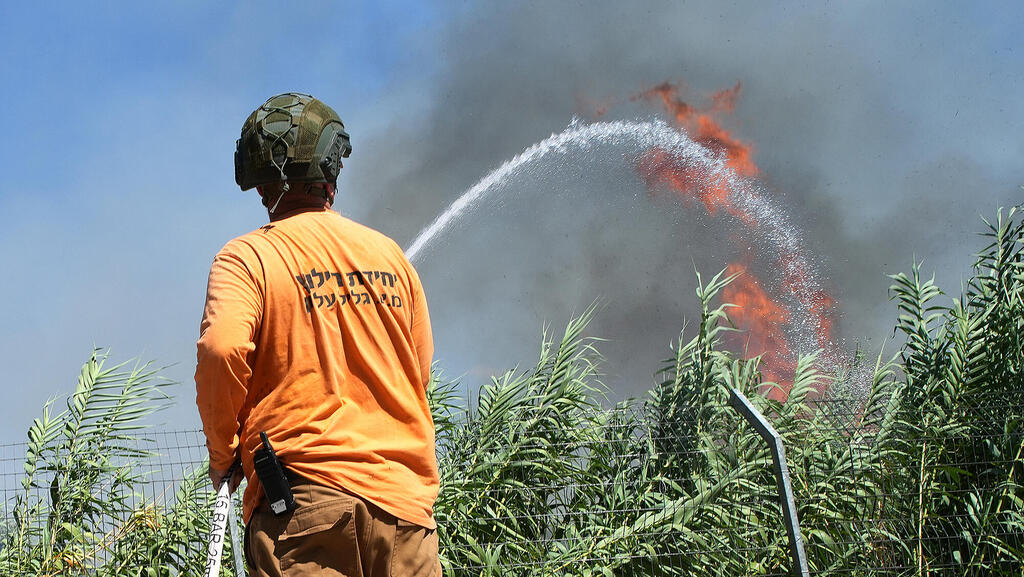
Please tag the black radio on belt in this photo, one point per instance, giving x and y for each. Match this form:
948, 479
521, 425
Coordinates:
272, 477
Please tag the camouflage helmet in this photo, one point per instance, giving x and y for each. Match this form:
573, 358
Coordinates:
291, 137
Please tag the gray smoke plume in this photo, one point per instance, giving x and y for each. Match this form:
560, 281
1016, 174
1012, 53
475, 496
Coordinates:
883, 140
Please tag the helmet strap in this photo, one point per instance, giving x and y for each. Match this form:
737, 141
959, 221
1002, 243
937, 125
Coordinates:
323, 190
284, 189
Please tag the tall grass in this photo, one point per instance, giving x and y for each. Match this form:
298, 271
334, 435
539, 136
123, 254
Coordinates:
81, 508
919, 475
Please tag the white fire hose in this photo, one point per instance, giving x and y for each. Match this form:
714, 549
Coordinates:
223, 516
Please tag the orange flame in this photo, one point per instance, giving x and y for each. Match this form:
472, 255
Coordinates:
762, 318
691, 180
762, 321
795, 280
703, 127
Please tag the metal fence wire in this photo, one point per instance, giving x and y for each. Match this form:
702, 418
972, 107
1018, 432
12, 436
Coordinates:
631, 491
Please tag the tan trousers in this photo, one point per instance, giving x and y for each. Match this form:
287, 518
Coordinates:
332, 533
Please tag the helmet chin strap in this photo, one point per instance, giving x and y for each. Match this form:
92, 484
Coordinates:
326, 192
284, 189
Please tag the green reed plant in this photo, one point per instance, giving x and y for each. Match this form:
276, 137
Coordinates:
920, 473
81, 510
77, 470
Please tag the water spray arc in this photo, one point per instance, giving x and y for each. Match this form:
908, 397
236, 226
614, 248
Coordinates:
745, 195
577, 137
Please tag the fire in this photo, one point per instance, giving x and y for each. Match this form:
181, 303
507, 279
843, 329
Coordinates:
762, 322
794, 280
762, 317
704, 128
691, 180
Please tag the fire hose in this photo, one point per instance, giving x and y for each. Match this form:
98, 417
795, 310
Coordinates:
223, 516
274, 481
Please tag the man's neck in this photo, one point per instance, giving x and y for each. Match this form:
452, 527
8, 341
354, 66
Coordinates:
286, 209
283, 213
294, 202
282, 203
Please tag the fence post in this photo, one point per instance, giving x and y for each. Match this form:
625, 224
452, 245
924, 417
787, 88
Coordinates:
770, 436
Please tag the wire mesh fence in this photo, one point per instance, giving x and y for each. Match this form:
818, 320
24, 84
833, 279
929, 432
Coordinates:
143, 504
631, 491
165, 458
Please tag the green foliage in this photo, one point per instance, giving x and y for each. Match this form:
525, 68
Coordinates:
922, 473
919, 475
80, 511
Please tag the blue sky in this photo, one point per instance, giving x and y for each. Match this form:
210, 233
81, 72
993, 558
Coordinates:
117, 183
116, 176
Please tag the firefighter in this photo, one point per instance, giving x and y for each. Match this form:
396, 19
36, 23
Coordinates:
316, 333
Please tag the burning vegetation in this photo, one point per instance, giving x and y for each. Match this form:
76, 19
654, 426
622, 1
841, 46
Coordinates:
776, 304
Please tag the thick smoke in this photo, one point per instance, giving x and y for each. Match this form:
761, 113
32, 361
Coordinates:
858, 134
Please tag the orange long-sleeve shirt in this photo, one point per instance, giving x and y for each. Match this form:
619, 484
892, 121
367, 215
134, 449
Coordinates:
316, 331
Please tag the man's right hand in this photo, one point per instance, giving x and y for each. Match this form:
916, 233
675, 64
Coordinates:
217, 476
